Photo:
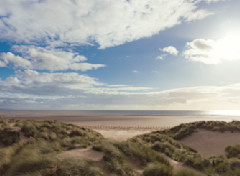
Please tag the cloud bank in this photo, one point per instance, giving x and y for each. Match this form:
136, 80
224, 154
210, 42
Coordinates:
105, 22
73, 91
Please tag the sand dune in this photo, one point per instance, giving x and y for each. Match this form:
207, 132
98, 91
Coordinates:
87, 153
209, 143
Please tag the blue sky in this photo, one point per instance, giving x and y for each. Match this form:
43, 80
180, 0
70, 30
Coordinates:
107, 54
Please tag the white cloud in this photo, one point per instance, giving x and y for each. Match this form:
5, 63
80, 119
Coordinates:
208, 1
106, 22
17, 61
3, 64
36, 90
170, 50
46, 59
51, 84
135, 71
210, 51
161, 57
167, 50
54, 84
61, 23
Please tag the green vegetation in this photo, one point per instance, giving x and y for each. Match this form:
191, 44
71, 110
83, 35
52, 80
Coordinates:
186, 172
184, 130
12, 136
233, 151
165, 142
173, 149
79, 167
113, 159
32, 148
157, 170
141, 153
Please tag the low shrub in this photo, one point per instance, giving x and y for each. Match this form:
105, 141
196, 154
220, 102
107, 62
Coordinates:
186, 172
142, 153
77, 167
232, 151
8, 136
29, 130
158, 170
222, 168
194, 162
164, 148
235, 164
29, 160
114, 159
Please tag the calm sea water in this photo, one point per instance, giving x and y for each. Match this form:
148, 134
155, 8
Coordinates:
231, 113
133, 118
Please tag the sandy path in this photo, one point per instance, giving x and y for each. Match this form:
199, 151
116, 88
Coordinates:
120, 135
209, 143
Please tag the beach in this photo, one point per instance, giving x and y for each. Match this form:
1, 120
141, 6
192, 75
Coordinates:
118, 126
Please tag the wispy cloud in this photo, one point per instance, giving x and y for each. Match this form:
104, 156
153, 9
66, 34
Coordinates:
36, 90
124, 97
161, 57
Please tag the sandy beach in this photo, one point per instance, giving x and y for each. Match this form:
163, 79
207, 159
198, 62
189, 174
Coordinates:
113, 126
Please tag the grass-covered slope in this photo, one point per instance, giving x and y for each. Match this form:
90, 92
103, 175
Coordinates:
34, 148
29, 147
167, 142
187, 129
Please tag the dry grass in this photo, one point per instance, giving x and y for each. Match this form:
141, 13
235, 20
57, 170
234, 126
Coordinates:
87, 153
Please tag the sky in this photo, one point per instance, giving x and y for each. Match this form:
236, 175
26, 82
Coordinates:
119, 55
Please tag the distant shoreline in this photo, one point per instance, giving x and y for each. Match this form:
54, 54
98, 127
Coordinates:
117, 121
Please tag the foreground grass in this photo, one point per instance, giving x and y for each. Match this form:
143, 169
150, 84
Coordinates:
31, 148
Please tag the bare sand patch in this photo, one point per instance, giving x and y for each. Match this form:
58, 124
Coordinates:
211, 143
87, 153
120, 135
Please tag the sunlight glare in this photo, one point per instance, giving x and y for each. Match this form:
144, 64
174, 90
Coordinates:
225, 112
227, 48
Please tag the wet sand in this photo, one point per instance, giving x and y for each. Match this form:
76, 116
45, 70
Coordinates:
108, 120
